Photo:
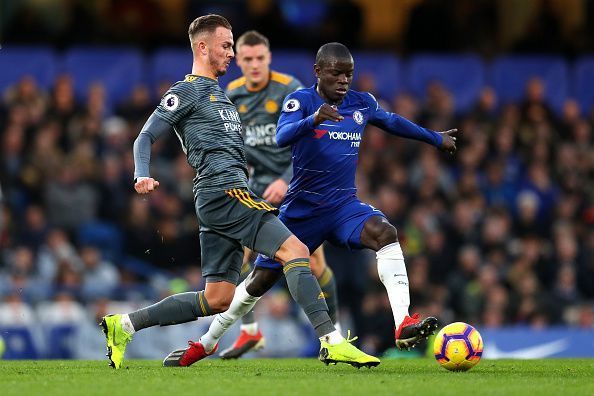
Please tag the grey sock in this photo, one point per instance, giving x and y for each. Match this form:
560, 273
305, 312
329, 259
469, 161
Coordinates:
179, 308
328, 284
305, 289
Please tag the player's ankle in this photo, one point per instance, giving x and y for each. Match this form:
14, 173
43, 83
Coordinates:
208, 343
332, 338
127, 324
338, 327
250, 328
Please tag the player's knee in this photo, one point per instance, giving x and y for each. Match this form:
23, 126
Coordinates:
387, 236
299, 249
219, 295
291, 249
219, 304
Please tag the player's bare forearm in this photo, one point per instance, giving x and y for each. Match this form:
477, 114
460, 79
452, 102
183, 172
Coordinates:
276, 191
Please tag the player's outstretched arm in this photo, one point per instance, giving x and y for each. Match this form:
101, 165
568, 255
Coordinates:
400, 126
151, 131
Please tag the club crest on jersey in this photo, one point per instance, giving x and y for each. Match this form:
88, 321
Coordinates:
170, 102
291, 105
271, 106
358, 117
213, 98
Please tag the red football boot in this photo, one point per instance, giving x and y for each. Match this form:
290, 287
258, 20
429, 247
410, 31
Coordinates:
412, 331
245, 343
188, 356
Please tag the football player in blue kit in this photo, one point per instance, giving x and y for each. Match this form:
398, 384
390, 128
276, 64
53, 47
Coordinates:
324, 125
258, 95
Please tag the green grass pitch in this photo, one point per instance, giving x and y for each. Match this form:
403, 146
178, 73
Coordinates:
279, 377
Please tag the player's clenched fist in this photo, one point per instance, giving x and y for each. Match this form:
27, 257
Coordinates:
327, 112
449, 142
145, 185
276, 191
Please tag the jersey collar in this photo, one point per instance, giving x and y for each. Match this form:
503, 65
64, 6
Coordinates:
263, 87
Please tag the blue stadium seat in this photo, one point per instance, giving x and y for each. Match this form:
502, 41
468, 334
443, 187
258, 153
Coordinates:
233, 72
16, 62
170, 64
119, 69
583, 83
19, 343
509, 76
60, 341
295, 63
141, 267
463, 76
385, 68
105, 236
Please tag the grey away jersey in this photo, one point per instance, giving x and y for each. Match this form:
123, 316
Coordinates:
208, 127
259, 112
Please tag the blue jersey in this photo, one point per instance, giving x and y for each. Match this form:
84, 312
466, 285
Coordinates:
325, 156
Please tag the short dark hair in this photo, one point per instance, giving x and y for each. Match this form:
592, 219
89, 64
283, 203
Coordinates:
251, 38
207, 23
332, 51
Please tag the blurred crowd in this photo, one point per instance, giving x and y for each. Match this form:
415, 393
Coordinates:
501, 233
486, 27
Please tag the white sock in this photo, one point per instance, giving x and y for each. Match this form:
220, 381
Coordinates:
127, 324
392, 273
250, 328
242, 303
332, 338
338, 327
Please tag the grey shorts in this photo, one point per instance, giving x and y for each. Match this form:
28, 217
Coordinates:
230, 220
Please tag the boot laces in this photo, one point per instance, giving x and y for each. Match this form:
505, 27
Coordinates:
349, 339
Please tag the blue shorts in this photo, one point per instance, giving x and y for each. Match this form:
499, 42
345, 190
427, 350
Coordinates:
341, 226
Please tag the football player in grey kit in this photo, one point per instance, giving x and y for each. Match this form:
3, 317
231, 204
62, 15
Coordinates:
209, 130
259, 95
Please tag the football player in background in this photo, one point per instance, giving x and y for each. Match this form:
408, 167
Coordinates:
259, 95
